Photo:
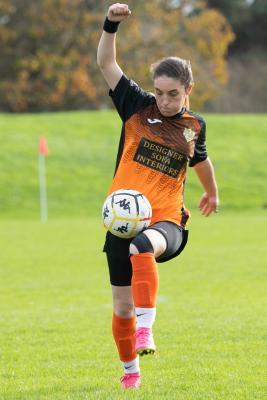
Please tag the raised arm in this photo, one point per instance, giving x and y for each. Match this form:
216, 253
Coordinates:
106, 52
209, 201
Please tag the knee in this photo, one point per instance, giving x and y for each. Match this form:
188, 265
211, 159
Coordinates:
123, 309
123, 302
141, 244
133, 249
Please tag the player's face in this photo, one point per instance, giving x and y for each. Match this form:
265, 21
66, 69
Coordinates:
170, 95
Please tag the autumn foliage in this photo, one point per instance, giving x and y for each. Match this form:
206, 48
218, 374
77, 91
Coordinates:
48, 50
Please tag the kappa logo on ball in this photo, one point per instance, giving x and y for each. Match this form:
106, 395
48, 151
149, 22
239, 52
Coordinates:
126, 213
189, 134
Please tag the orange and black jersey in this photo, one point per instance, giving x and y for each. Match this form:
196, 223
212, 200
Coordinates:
154, 151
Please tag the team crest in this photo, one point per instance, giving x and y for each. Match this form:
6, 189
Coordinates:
189, 134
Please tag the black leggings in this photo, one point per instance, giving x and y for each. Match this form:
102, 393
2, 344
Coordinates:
117, 250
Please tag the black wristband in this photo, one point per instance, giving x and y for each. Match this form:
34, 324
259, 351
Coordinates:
110, 26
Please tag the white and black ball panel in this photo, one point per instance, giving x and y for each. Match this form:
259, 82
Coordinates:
126, 213
124, 205
123, 229
107, 212
145, 207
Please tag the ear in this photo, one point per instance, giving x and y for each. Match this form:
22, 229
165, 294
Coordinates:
189, 88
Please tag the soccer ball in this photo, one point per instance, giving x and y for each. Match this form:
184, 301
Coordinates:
126, 213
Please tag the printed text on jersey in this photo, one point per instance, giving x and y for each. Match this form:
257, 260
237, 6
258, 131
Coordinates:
160, 158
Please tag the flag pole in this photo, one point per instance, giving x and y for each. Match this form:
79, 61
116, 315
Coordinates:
43, 151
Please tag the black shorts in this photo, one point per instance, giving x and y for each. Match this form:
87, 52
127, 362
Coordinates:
117, 250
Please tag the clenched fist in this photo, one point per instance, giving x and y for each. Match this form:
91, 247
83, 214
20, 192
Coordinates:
118, 12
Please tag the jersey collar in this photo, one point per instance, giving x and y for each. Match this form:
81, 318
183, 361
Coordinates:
178, 115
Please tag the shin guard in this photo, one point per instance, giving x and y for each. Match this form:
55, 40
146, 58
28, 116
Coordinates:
124, 335
145, 280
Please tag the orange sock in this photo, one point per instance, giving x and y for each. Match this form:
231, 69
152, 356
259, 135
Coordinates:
124, 335
145, 280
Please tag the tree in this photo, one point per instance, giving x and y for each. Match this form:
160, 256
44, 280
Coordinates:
248, 20
45, 47
48, 49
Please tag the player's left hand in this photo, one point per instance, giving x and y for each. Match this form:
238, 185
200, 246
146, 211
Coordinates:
208, 204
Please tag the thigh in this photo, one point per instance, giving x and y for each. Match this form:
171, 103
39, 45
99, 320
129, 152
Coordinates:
176, 238
158, 241
119, 264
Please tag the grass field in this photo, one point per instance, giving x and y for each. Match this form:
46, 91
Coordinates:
55, 307
55, 302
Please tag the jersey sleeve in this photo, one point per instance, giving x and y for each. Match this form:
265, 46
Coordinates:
200, 153
129, 98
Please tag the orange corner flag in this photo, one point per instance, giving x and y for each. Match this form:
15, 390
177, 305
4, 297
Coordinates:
43, 149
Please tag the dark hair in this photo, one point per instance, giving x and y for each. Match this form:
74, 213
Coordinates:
173, 67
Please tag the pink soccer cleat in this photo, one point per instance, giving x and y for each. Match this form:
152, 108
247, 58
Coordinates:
144, 341
131, 381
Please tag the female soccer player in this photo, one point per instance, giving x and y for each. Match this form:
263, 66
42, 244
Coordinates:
159, 137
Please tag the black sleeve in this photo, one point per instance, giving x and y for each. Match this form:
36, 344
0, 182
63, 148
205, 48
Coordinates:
129, 98
200, 153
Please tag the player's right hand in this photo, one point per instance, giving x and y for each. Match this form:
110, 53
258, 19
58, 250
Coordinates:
118, 12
